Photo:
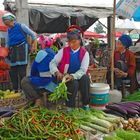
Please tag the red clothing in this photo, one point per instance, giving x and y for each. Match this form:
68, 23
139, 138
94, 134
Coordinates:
129, 60
65, 61
131, 65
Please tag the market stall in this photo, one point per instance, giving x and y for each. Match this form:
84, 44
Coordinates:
112, 122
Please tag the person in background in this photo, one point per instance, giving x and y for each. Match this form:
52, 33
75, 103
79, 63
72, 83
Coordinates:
58, 43
41, 79
18, 48
125, 64
90, 49
72, 62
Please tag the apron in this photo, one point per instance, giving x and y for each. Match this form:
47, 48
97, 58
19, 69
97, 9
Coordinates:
17, 53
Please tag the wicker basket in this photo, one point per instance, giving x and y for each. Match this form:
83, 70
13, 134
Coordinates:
98, 75
15, 103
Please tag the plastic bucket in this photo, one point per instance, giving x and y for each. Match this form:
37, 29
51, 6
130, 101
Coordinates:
99, 93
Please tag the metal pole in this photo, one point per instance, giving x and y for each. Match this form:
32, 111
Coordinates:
113, 45
22, 11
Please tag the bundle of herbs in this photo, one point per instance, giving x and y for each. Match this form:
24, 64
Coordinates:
60, 92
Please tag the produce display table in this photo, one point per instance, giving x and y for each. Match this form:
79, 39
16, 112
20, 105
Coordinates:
119, 120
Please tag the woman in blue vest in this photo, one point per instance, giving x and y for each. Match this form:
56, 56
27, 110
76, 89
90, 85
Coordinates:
73, 60
40, 79
18, 47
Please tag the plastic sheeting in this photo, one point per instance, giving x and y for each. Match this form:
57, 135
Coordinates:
57, 18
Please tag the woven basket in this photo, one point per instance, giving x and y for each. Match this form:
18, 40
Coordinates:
15, 103
98, 75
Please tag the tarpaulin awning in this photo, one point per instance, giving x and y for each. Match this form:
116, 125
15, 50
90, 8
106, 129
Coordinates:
54, 19
129, 9
45, 18
136, 15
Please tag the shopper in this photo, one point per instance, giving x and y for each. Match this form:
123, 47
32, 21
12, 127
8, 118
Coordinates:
18, 48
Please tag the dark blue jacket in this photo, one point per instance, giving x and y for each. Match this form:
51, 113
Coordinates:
40, 71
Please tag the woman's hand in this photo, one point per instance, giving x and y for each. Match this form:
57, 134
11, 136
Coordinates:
59, 75
33, 46
68, 78
119, 73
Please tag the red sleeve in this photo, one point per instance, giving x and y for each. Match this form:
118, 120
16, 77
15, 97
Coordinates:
131, 64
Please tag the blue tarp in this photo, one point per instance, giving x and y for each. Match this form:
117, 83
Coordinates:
135, 16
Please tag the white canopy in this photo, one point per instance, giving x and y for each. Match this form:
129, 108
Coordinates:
127, 26
85, 3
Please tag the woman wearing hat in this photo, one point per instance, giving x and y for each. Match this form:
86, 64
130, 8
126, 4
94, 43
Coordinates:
40, 79
18, 48
73, 61
125, 64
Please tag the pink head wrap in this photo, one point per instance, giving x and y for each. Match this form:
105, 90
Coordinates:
48, 42
45, 42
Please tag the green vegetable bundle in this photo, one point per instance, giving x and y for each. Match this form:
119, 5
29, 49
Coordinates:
55, 49
40, 123
59, 93
96, 120
124, 135
133, 97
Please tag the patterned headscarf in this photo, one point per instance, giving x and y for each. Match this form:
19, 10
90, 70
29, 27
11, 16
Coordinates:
74, 32
8, 16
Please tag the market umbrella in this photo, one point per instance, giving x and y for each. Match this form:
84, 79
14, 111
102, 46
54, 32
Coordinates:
89, 34
127, 26
117, 34
2, 26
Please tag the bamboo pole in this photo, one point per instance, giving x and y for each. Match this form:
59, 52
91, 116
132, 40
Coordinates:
113, 45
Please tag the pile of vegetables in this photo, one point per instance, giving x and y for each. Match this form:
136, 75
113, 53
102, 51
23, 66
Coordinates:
93, 121
9, 94
124, 135
133, 97
132, 124
59, 93
40, 123
124, 109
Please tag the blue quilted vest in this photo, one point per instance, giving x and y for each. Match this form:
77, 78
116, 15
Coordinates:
15, 35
